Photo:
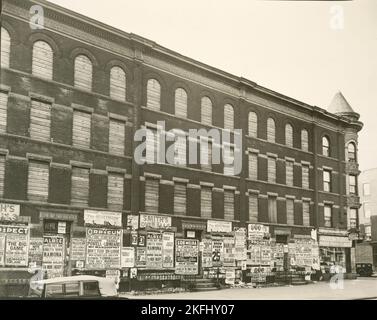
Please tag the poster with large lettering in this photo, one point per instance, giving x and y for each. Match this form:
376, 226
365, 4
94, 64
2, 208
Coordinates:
154, 250
257, 231
253, 253
154, 221
229, 257
186, 256
168, 250
265, 254
240, 244
2, 249
16, 245
53, 256
35, 252
303, 253
217, 252
9, 211
103, 248
207, 253
141, 257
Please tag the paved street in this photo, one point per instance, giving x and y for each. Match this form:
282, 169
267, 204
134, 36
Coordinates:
352, 289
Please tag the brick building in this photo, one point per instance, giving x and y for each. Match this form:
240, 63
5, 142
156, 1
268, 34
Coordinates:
74, 93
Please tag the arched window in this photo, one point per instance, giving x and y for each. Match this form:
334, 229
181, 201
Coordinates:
206, 111
228, 117
253, 124
289, 135
180, 103
153, 94
304, 140
117, 83
5, 48
43, 60
325, 146
83, 72
271, 130
351, 152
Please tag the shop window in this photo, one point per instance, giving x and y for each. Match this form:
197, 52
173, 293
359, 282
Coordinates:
43, 60
40, 121
328, 215
271, 169
351, 152
81, 129
228, 117
180, 103
153, 94
253, 124
327, 180
180, 198
2, 174
353, 218
180, 150
271, 130
206, 202
289, 173
304, 140
83, 73
228, 204
5, 48
306, 213
352, 184
115, 185
117, 83
116, 137
272, 209
253, 166
80, 186
289, 135
3, 111
305, 176
290, 204
206, 155
325, 146
151, 195
206, 111
228, 160
253, 207
38, 181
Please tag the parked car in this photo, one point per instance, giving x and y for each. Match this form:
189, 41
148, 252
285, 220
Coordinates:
82, 286
364, 269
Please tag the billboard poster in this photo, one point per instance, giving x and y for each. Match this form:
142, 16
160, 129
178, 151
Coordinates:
257, 231
168, 249
303, 253
154, 221
207, 253
277, 254
9, 211
134, 238
229, 257
78, 247
230, 276
141, 257
141, 240
217, 252
53, 256
16, 245
240, 244
128, 257
154, 250
2, 249
186, 256
103, 218
265, 252
133, 222
36, 251
103, 248
219, 226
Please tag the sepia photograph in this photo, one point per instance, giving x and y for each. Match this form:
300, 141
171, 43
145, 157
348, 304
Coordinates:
185, 156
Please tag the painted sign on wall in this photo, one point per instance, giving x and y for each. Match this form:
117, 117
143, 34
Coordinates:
186, 256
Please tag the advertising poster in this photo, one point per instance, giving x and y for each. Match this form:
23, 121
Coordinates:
141, 257
36, 251
128, 257
230, 276
53, 256
16, 245
253, 254
303, 253
257, 231
315, 256
265, 254
141, 240
240, 244
219, 226
217, 252
133, 222
277, 254
168, 249
186, 256
9, 211
103, 248
2, 249
134, 238
103, 218
154, 250
154, 221
207, 253
78, 247
229, 257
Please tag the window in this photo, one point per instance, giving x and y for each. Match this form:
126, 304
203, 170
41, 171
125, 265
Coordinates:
43, 60
83, 73
40, 120
228, 117
151, 195
54, 290
290, 204
181, 103
328, 215
2, 174
367, 210
352, 182
206, 111
180, 195
153, 94
353, 218
271, 130
5, 48
289, 135
115, 187
306, 213
253, 124
271, 169
117, 83
289, 173
305, 176
180, 150
206, 155
253, 207
116, 137
3, 112
81, 129
304, 140
229, 160
206, 202
327, 180
152, 146
228, 204
351, 152
91, 289
325, 146
366, 189
80, 186
272, 209
253, 166
72, 289
38, 179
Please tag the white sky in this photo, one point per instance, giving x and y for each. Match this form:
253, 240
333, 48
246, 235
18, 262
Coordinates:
288, 47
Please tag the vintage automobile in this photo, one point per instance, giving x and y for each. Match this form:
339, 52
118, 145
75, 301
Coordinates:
75, 287
364, 269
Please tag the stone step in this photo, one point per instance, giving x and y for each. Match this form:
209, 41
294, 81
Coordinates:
206, 289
